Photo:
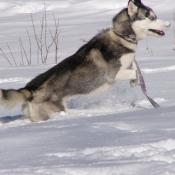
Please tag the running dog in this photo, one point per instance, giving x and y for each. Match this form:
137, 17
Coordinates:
105, 59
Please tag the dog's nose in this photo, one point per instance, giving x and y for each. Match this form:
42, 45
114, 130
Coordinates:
168, 24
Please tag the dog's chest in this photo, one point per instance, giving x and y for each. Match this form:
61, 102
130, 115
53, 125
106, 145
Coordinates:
126, 60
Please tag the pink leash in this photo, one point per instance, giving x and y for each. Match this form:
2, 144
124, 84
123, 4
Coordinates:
143, 87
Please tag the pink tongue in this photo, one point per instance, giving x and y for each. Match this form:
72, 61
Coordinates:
159, 32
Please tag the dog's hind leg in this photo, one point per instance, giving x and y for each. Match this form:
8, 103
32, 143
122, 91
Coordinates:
40, 111
32, 112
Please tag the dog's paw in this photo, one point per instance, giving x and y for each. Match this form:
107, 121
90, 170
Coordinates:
134, 83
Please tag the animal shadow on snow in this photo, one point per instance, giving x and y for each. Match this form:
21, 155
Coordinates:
7, 119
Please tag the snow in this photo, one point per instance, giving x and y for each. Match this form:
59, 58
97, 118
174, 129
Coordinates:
114, 133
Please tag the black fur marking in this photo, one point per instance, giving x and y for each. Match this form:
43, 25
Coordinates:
77, 67
122, 24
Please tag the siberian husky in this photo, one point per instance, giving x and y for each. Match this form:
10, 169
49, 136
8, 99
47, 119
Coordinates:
105, 59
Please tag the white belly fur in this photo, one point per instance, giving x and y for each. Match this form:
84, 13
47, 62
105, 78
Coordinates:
126, 61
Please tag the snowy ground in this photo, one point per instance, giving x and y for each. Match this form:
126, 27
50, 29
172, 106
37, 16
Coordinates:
116, 133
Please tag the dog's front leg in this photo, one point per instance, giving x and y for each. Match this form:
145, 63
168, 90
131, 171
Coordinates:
135, 82
127, 74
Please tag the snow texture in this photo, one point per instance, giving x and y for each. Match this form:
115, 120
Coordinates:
114, 133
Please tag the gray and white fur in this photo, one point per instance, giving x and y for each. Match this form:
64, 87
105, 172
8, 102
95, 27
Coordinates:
105, 59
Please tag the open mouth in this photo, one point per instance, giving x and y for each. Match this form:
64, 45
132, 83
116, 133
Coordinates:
158, 32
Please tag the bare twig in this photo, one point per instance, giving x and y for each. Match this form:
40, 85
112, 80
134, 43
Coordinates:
45, 38
41, 40
21, 52
12, 55
83, 40
47, 47
55, 38
36, 37
149, 48
38, 41
30, 60
147, 44
4, 55
38, 56
151, 51
24, 51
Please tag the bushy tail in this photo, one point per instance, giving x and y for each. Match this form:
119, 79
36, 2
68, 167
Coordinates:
12, 98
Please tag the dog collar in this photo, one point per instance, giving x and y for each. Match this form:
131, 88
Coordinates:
128, 38
135, 1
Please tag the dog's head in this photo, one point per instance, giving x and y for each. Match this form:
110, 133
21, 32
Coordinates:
144, 22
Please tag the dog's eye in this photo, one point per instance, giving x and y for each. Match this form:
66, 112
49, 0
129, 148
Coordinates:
151, 18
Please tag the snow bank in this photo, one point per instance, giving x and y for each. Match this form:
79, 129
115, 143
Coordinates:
117, 133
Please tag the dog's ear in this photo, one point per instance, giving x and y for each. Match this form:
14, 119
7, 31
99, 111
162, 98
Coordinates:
132, 8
